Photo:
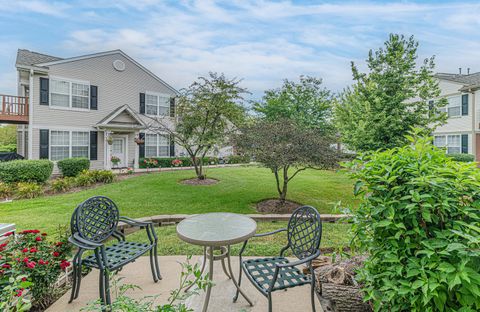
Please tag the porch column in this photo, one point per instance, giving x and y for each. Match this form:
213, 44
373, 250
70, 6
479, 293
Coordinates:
108, 163
136, 161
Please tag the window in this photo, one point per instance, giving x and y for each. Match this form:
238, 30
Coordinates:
157, 145
454, 106
453, 143
68, 94
66, 144
157, 104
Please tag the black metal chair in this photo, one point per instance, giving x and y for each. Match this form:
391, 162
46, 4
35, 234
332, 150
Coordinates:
94, 222
304, 232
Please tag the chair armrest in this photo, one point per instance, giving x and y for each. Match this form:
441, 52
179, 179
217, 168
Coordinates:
84, 244
270, 233
134, 222
304, 260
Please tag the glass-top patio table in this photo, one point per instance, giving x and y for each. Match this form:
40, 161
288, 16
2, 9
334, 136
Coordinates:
217, 231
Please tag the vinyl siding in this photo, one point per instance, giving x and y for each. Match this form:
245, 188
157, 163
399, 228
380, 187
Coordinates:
455, 124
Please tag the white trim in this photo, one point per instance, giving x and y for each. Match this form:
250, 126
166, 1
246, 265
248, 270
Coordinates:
70, 93
70, 142
30, 115
118, 112
125, 139
158, 95
83, 57
69, 128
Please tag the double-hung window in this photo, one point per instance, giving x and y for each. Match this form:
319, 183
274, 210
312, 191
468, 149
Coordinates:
69, 94
69, 144
453, 143
454, 106
157, 145
157, 104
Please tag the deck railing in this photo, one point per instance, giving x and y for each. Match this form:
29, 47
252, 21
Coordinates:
13, 109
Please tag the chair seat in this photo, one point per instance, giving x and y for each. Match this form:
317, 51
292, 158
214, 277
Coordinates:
261, 271
119, 254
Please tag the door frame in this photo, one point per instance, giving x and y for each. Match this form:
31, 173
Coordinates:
125, 140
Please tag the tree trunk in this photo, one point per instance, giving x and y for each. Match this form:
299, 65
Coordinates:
283, 194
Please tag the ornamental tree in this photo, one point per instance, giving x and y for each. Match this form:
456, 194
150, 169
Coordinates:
286, 149
391, 98
208, 112
306, 102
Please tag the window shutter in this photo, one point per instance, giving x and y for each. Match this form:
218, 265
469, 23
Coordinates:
94, 97
44, 91
430, 107
464, 143
141, 147
172, 146
465, 105
172, 107
93, 145
44, 138
142, 103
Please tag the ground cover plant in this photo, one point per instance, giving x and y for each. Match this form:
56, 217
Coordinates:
419, 221
239, 189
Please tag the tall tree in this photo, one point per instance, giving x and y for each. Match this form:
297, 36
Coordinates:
306, 102
286, 149
208, 112
390, 99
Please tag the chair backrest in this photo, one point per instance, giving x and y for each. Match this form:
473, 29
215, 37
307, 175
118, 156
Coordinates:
304, 231
95, 219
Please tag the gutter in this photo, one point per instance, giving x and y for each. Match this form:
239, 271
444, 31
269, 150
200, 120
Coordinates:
30, 114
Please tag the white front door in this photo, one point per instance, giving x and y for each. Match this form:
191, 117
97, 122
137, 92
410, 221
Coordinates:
119, 150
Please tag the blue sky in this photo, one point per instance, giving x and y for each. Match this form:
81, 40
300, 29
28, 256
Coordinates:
262, 42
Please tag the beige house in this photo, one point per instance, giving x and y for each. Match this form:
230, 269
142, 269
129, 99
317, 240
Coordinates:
461, 133
95, 106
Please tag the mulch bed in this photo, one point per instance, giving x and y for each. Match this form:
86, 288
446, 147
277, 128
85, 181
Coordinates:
195, 181
276, 206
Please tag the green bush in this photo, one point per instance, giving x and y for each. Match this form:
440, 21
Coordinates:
28, 190
8, 148
85, 178
237, 159
419, 222
71, 167
26, 171
89, 177
187, 161
62, 184
5, 190
462, 157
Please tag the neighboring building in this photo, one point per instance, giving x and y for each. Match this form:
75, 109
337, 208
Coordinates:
461, 133
91, 106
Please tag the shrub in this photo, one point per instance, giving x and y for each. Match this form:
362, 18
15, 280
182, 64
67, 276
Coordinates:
36, 259
5, 190
237, 159
89, 177
71, 167
28, 190
462, 157
26, 171
85, 178
9, 148
167, 162
419, 221
62, 184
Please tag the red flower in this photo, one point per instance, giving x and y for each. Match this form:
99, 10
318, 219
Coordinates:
56, 254
6, 266
8, 234
38, 238
25, 260
33, 249
64, 264
59, 244
25, 250
41, 262
3, 245
31, 264
24, 279
19, 293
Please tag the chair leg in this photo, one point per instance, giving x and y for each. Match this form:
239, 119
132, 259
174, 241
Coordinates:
101, 286
269, 302
79, 280
74, 282
152, 266
155, 257
107, 288
312, 290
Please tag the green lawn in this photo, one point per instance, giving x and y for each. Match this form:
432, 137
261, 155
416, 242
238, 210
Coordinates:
153, 194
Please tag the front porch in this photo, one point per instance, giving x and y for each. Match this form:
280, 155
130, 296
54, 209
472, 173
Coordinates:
138, 273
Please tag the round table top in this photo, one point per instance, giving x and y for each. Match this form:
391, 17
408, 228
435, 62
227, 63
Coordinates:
216, 229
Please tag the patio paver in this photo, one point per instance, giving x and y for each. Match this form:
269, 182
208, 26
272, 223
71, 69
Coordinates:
295, 299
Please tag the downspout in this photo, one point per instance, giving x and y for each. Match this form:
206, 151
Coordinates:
30, 115
474, 126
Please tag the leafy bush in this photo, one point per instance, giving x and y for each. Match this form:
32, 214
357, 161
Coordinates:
36, 260
85, 178
5, 190
89, 177
28, 190
62, 184
26, 171
167, 162
71, 167
237, 159
419, 221
8, 148
462, 157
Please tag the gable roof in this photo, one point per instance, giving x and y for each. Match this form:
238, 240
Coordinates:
118, 51
107, 120
463, 79
30, 58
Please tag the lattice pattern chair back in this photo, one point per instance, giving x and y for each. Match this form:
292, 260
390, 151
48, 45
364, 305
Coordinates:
96, 218
304, 231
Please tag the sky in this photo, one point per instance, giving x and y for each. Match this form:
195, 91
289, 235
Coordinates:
261, 42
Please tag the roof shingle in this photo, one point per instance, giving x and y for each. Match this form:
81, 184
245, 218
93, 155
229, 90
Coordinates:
30, 58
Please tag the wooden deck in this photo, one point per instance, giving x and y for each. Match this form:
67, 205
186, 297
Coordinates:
13, 109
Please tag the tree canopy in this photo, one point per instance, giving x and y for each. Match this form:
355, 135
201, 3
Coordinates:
390, 99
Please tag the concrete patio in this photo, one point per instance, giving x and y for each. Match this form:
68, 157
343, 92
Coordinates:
138, 273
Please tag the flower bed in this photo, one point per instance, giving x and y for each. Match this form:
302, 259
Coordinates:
167, 162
